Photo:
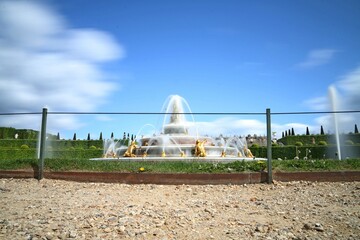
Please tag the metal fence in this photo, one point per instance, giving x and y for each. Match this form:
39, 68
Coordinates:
268, 114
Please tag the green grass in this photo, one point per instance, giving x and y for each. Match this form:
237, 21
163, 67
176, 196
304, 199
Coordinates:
316, 165
182, 167
158, 167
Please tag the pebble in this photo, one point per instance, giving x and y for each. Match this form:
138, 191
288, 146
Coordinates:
56, 209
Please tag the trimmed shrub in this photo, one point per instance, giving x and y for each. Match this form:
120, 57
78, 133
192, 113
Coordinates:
92, 147
258, 151
17, 154
24, 146
16, 143
299, 144
255, 145
323, 143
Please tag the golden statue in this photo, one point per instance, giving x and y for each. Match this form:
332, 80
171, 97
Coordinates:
200, 149
239, 154
182, 154
248, 153
223, 154
163, 154
130, 150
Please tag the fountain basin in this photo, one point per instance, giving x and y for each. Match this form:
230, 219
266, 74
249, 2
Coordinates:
182, 159
174, 143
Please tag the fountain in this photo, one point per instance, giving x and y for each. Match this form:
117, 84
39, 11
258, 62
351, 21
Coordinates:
343, 150
174, 142
334, 108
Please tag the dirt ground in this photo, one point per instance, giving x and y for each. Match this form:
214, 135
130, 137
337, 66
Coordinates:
55, 209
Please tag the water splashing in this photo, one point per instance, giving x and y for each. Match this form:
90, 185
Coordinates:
175, 141
334, 108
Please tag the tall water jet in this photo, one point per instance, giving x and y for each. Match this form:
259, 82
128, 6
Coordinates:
177, 123
174, 121
334, 108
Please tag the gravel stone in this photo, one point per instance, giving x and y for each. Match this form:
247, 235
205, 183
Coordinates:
56, 209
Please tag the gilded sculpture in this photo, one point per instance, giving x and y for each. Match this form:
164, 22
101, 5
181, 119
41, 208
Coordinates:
200, 148
248, 153
131, 149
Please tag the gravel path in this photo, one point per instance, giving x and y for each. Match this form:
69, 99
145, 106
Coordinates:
54, 209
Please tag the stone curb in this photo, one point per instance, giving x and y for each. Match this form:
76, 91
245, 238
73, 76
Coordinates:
190, 179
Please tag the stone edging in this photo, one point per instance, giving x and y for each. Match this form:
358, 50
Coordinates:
193, 178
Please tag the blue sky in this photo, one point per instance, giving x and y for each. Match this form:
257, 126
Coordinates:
221, 56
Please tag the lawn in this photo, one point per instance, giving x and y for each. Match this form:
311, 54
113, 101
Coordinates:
182, 166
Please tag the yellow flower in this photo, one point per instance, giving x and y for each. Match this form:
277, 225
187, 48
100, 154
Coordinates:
141, 169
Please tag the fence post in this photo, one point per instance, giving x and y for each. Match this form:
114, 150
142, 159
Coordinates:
42, 144
269, 153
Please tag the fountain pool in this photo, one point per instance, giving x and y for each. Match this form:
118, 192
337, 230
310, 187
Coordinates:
175, 143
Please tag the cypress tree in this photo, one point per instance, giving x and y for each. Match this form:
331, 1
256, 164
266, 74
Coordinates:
100, 138
356, 129
286, 134
282, 135
74, 137
307, 131
322, 130
112, 135
58, 136
292, 132
88, 138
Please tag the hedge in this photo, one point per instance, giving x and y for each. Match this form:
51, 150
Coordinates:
320, 152
78, 144
19, 154
55, 144
308, 139
9, 133
316, 152
16, 143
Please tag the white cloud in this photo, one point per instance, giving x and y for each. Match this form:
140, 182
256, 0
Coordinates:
346, 93
44, 62
318, 103
346, 122
317, 57
89, 44
350, 86
33, 27
229, 126
347, 97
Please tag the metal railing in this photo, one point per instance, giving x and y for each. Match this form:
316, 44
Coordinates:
268, 114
